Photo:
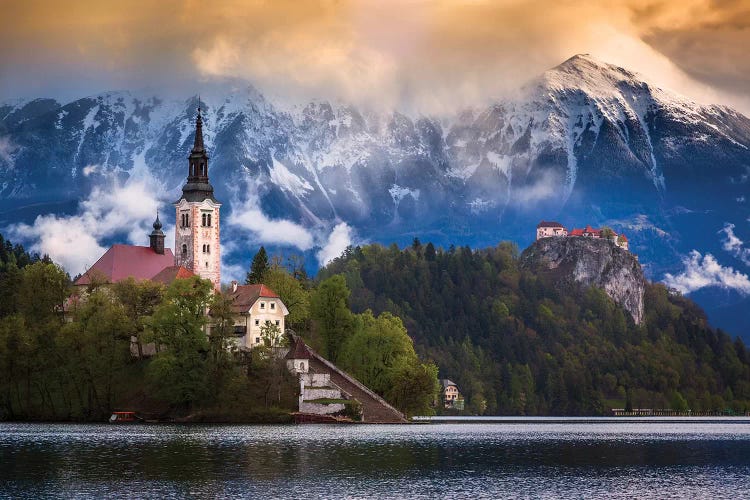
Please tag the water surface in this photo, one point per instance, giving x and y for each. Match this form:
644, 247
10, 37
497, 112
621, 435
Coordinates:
484, 460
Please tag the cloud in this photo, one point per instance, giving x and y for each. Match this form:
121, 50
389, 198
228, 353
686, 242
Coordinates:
112, 209
248, 215
546, 187
91, 169
68, 240
338, 240
734, 245
423, 55
704, 271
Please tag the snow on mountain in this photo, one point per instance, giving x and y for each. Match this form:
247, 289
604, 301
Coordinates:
584, 140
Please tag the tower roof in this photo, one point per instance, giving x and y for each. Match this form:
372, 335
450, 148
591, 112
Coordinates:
198, 187
298, 351
198, 142
157, 226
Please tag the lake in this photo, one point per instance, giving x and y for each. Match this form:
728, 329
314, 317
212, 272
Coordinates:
535, 459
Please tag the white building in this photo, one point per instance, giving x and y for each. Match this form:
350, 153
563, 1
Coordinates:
545, 229
255, 306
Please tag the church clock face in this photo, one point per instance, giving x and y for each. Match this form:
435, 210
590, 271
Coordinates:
197, 231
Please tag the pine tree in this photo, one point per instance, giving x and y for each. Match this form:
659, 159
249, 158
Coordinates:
258, 268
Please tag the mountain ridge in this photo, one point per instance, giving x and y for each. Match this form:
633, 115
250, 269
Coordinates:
586, 142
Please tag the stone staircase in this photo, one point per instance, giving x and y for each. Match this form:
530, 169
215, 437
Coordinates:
375, 410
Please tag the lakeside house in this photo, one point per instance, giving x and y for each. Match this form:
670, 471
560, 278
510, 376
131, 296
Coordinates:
548, 229
450, 395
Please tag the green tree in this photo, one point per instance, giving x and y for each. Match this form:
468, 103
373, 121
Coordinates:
258, 268
42, 293
292, 292
96, 348
378, 351
272, 335
138, 299
329, 307
178, 372
414, 388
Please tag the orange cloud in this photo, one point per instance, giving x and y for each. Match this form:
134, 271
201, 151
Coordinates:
420, 55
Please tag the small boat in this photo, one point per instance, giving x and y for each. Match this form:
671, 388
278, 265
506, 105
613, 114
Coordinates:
124, 417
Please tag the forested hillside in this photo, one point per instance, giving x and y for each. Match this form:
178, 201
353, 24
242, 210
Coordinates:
516, 344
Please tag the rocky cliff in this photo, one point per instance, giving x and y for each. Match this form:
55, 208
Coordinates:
591, 262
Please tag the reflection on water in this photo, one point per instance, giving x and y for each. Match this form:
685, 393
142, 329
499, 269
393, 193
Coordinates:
447, 460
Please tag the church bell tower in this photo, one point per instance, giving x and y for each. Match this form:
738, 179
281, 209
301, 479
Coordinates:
197, 217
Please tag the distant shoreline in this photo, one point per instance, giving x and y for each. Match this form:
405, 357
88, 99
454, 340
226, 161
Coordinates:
579, 420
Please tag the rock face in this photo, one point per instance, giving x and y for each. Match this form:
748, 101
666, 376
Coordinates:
591, 262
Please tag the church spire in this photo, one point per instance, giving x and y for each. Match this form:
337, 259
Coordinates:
156, 238
198, 187
198, 144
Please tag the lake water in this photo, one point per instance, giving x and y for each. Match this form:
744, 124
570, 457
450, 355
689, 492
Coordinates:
468, 460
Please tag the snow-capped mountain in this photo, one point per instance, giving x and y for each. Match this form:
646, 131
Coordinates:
586, 142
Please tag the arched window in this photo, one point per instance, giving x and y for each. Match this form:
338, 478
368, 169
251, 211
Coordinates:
208, 248
203, 220
208, 217
184, 249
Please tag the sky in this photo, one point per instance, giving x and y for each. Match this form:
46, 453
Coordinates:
426, 56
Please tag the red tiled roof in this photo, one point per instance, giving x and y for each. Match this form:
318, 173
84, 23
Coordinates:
299, 351
623, 237
124, 261
171, 273
546, 223
576, 232
246, 295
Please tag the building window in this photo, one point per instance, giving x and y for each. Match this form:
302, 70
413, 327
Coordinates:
273, 305
257, 322
262, 305
206, 248
268, 322
184, 249
277, 322
184, 220
257, 340
206, 220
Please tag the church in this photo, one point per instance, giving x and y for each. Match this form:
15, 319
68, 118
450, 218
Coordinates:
196, 239
197, 253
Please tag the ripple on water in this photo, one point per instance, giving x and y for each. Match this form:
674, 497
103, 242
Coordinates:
551, 460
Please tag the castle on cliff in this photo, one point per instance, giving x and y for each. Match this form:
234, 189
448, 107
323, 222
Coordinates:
547, 229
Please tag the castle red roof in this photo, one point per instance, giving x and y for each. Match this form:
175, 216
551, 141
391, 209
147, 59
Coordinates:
124, 261
546, 223
576, 232
623, 237
171, 273
245, 296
